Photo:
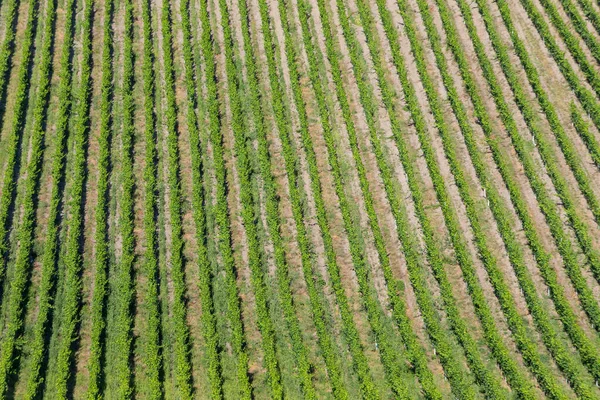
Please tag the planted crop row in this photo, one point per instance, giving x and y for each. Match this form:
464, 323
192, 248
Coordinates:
72, 255
590, 72
571, 156
585, 96
513, 373
527, 347
37, 360
150, 335
566, 146
584, 132
414, 265
16, 125
6, 53
282, 113
209, 329
120, 384
547, 206
542, 258
248, 199
515, 252
25, 233
464, 259
351, 333
515, 379
580, 26
325, 339
515, 376
590, 13
417, 355
222, 213
101, 240
179, 331
272, 208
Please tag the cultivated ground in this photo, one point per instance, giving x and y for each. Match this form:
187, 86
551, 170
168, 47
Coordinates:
299, 198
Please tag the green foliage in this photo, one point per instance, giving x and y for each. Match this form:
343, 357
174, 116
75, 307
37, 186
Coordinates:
513, 373
325, 340
178, 327
514, 250
417, 354
415, 266
150, 336
578, 23
37, 346
121, 335
584, 132
548, 207
6, 52
351, 333
72, 254
585, 96
272, 208
590, 13
458, 382
25, 231
589, 71
208, 317
222, 213
16, 124
546, 204
246, 197
101, 241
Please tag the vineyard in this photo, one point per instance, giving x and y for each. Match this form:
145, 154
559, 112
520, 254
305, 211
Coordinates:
300, 199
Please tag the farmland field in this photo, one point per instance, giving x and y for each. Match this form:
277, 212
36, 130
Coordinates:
300, 199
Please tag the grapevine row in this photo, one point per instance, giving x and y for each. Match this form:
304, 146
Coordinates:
6, 53
72, 259
542, 258
589, 71
585, 134
248, 215
178, 328
579, 226
222, 213
272, 206
25, 232
372, 306
150, 335
122, 288
16, 126
514, 375
38, 352
246, 197
490, 262
464, 259
567, 148
580, 26
563, 140
101, 251
585, 96
325, 339
547, 206
360, 363
411, 252
417, 354
592, 15
205, 276
281, 111
513, 248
